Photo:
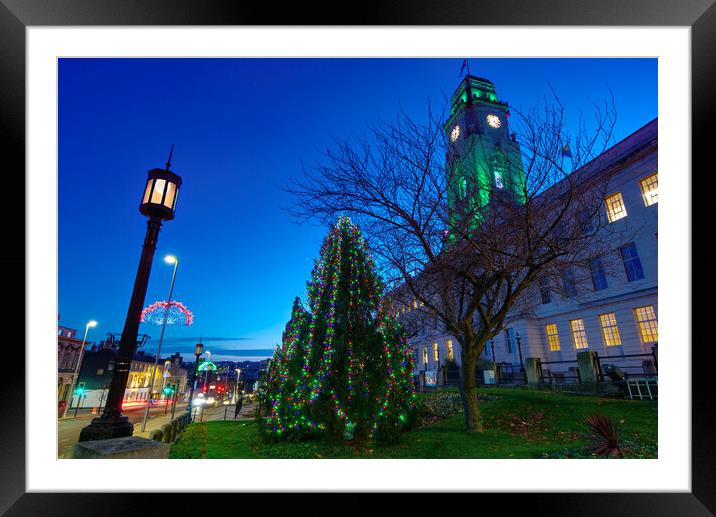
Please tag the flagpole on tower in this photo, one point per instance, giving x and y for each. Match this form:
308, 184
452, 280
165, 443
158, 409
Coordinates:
465, 64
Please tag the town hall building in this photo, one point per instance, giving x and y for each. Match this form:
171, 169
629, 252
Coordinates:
616, 311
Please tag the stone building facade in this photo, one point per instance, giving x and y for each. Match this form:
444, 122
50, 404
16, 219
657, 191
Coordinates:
69, 358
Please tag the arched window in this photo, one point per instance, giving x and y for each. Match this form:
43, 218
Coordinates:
462, 188
498, 164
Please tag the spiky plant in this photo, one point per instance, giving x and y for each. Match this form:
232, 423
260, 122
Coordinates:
604, 434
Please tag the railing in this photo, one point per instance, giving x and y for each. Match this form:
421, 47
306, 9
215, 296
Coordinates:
510, 374
551, 377
647, 369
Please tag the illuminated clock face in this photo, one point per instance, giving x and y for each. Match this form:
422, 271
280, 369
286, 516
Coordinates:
455, 133
493, 120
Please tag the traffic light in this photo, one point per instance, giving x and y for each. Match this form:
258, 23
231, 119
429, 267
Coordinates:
80, 389
169, 389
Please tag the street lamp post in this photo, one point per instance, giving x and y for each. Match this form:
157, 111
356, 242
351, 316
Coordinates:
169, 259
238, 376
158, 204
76, 376
197, 352
206, 385
519, 349
206, 372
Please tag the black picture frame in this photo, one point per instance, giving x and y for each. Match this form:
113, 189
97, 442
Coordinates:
17, 15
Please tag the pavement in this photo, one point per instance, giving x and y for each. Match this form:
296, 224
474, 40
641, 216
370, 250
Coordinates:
68, 428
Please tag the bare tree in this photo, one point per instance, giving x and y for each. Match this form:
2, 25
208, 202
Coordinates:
462, 247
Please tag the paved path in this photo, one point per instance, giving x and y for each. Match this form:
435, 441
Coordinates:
68, 429
224, 413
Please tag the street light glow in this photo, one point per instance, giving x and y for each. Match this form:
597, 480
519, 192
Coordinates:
170, 259
92, 323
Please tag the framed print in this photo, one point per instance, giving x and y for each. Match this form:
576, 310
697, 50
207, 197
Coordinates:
310, 184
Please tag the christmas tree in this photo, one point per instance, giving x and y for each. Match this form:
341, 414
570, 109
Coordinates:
344, 368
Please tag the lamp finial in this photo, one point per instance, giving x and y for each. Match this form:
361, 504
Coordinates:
169, 160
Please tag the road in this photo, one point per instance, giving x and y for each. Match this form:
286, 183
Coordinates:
69, 428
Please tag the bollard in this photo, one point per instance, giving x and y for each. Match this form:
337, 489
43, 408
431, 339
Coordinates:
167, 433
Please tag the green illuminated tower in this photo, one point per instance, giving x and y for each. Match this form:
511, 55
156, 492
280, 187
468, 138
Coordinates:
484, 161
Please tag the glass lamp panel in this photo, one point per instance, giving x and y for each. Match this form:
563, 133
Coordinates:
158, 192
147, 191
169, 198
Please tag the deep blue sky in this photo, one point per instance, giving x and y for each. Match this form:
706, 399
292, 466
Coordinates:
241, 127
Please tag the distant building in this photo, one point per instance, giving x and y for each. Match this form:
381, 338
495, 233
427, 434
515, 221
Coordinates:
98, 366
69, 358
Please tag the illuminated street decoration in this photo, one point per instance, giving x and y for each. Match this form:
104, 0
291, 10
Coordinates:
207, 365
178, 314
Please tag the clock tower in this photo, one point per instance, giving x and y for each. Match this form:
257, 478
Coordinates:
484, 160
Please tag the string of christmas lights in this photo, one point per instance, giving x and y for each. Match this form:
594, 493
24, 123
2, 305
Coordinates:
344, 366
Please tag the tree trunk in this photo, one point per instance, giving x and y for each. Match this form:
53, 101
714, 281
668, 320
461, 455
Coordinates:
468, 392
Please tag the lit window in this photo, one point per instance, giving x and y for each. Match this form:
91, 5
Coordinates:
615, 207
462, 188
646, 318
610, 330
147, 191
498, 180
650, 189
425, 356
436, 353
599, 278
579, 334
158, 193
169, 198
632, 264
552, 337
450, 352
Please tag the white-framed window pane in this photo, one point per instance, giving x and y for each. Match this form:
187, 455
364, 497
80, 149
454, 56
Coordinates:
615, 207
552, 337
450, 352
650, 189
648, 325
579, 334
436, 352
610, 329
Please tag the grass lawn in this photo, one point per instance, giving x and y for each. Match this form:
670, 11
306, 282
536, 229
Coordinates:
519, 423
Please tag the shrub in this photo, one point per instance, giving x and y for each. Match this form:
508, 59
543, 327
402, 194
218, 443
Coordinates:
156, 435
604, 434
191, 443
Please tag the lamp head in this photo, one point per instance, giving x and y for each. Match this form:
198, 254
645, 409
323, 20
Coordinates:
160, 194
170, 259
91, 323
